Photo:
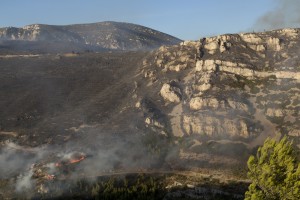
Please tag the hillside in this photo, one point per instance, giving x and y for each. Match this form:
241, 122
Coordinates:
82, 37
229, 86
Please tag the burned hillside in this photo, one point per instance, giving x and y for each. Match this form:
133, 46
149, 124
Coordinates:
197, 107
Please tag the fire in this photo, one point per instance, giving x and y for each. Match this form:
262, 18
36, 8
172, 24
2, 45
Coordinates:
74, 159
50, 177
77, 160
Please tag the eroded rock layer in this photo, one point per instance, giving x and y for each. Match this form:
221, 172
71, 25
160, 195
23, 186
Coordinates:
234, 86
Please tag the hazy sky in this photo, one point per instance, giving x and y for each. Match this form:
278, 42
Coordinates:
189, 19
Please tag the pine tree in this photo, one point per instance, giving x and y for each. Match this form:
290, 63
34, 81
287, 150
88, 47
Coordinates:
274, 172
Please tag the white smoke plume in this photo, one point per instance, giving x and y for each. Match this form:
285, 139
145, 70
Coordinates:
25, 182
286, 14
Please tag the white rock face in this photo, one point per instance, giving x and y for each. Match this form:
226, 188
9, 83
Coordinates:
211, 126
241, 69
217, 103
169, 93
223, 46
237, 105
289, 32
205, 77
251, 38
177, 67
294, 132
225, 66
205, 65
288, 75
237, 70
198, 103
181, 59
274, 112
211, 47
274, 44
220, 43
153, 122
202, 87
257, 47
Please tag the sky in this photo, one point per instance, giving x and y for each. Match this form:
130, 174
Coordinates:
188, 20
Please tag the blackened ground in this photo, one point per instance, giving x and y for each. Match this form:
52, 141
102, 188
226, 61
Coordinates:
50, 98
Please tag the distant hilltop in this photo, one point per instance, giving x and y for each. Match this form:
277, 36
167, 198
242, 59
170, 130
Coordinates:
80, 37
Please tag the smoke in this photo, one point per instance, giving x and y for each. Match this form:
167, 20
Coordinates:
30, 168
25, 182
15, 159
285, 15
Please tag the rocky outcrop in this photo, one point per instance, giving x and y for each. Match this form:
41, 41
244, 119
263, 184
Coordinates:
251, 38
215, 127
258, 47
199, 103
240, 69
291, 33
206, 65
237, 105
181, 58
214, 44
170, 93
231, 85
274, 44
274, 112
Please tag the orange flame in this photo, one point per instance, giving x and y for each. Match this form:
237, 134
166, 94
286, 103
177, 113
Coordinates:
50, 177
57, 164
76, 160
71, 161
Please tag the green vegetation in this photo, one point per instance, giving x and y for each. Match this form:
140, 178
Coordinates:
141, 188
275, 172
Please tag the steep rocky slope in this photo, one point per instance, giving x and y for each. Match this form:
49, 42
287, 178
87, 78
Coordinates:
96, 36
233, 87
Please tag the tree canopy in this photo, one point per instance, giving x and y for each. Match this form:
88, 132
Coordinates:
274, 172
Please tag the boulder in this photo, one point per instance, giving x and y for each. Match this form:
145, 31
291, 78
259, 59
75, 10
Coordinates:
170, 93
202, 87
211, 47
150, 121
224, 46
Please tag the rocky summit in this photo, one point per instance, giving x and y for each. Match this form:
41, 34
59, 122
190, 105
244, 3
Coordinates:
238, 87
83, 37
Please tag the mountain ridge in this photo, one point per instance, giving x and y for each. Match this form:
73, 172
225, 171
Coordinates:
107, 35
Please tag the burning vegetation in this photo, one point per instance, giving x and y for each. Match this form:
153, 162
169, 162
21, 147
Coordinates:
57, 167
71, 159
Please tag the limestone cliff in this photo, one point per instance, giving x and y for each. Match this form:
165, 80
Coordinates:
235, 86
